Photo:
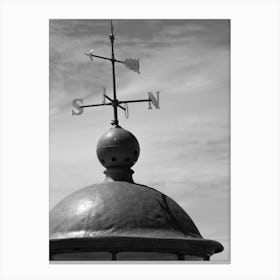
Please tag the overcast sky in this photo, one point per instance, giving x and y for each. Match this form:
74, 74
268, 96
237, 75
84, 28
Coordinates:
184, 145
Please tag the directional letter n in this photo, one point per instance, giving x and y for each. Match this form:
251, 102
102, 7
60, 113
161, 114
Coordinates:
153, 100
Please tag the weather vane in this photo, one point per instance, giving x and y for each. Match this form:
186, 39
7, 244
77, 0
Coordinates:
132, 64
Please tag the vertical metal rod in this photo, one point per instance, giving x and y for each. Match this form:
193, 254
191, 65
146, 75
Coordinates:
114, 256
181, 257
112, 38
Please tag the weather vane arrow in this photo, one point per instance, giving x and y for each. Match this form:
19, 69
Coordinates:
130, 63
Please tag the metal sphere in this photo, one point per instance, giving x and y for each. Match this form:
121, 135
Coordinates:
117, 148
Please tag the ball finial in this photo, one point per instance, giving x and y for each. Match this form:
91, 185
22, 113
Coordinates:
117, 148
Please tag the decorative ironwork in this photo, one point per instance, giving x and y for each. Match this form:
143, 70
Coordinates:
130, 63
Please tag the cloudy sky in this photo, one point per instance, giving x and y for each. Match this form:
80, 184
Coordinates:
184, 145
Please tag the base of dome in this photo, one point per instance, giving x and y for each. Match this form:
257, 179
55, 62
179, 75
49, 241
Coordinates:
197, 248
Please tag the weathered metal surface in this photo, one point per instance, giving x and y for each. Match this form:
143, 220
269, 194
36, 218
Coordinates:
120, 209
117, 147
125, 216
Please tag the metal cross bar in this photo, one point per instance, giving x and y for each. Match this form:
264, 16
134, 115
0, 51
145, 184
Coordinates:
135, 101
103, 57
106, 96
114, 101
95, 105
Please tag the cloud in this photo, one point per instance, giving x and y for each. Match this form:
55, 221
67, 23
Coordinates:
72, 73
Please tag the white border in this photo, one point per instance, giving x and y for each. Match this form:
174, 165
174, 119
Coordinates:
254, 132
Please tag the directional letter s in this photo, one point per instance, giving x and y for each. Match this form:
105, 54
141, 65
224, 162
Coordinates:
77, 106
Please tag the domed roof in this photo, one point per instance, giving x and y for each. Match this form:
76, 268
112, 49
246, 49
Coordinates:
119, 215
120, 208
120, 212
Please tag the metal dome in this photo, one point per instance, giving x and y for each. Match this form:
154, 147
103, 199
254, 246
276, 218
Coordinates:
121, 216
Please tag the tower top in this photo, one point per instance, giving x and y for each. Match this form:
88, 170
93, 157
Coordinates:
117, 149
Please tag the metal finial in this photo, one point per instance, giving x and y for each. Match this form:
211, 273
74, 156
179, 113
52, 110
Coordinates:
112, 27
112, 35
